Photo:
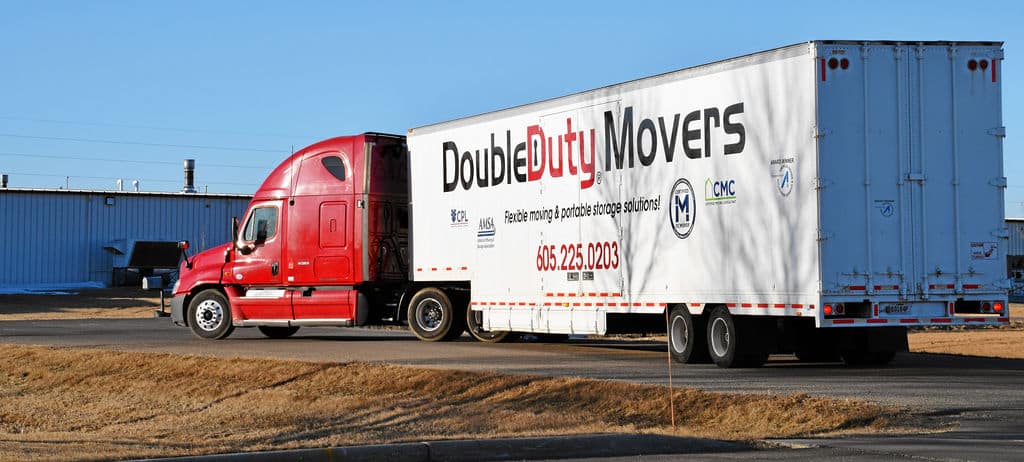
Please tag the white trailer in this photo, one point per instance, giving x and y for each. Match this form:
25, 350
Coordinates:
817, 198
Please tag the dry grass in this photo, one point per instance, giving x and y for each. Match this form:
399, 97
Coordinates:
994, 343
121, 302
63, 404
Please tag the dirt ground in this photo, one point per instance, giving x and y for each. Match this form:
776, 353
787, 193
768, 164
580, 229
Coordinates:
67, 404
120, 302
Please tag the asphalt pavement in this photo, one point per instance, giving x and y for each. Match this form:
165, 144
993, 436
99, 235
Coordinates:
981, 399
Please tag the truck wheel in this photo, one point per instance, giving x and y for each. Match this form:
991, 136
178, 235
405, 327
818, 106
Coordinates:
687, 337
278, 331
209, 315
474, 319
867, 358
432, 316
724, 339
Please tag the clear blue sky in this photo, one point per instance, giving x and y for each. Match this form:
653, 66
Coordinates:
263, 77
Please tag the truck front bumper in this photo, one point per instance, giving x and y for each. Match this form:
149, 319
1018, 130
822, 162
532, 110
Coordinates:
178, 310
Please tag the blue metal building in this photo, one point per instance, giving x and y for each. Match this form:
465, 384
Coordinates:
50, 236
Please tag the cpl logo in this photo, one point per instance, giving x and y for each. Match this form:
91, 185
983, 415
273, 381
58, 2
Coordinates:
459, 218
682, 209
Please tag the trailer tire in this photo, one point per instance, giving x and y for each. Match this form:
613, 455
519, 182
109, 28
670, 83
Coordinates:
687, 337
209, 315
278, 331
431, 316
725, 337
474, 319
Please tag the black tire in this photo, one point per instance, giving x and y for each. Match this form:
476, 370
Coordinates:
278, 331
687, 337
432, 317
859, 358
209, 315
725, 340
473, 321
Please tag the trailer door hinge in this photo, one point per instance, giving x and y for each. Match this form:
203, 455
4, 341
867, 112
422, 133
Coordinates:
819, 132
999, 182
360, 204
824, 235
999, 132
915, 176
821, 183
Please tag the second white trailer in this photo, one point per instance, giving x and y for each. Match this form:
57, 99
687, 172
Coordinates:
758, 201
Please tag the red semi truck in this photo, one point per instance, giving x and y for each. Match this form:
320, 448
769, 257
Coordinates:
815, 199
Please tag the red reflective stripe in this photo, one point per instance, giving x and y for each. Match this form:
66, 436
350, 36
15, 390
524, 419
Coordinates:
941, 320
779, 305
970, 286
651, 304
576, 304
730, 305
762, 305
993, 70
842, 321
695, 304
501, 303
604, 294
1003, 320
599, 304
746, 305
908, 321
663, 305
492, 303
588, 304
975, 319
822, 69
419, 269
857, 287
522, 303
635, 304
547, 303
797, 305
616, 294
571, 294
433, 269
561, 294
878, 321
464, 268
592, 294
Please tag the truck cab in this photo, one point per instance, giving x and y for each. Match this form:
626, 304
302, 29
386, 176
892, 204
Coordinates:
323, 243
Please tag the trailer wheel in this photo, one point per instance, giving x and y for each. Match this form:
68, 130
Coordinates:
867, 358
724, 341
432, 316
687, 337
278, 331
474, 319
209, 315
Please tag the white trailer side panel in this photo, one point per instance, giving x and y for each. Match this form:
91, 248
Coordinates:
691, 187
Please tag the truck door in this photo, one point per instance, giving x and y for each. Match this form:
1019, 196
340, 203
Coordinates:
257, 264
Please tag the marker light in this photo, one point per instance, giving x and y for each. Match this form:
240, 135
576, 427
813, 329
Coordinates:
998, 306
986, 307
828, 310
972, 64
840, 309
983, 64
833, 63
845, 63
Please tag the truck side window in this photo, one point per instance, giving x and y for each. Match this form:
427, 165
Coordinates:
335, 166
261, 214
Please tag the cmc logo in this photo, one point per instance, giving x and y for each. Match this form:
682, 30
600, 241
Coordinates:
682, 209
719, 190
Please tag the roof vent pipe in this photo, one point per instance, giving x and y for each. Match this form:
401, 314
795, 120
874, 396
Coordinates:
190, 176
135, 185
120, 184
3, 181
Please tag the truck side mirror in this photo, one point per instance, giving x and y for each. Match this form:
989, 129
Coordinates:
261, 232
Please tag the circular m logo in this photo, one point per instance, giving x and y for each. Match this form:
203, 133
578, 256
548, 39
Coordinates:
682, 208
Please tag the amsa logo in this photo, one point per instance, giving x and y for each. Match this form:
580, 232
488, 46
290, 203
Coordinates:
682, 209
719, 192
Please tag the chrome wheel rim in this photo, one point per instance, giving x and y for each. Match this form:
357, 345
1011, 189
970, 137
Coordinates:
429, 314
720, 337
209, 315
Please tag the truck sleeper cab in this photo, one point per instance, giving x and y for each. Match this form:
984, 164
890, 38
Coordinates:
323, 243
